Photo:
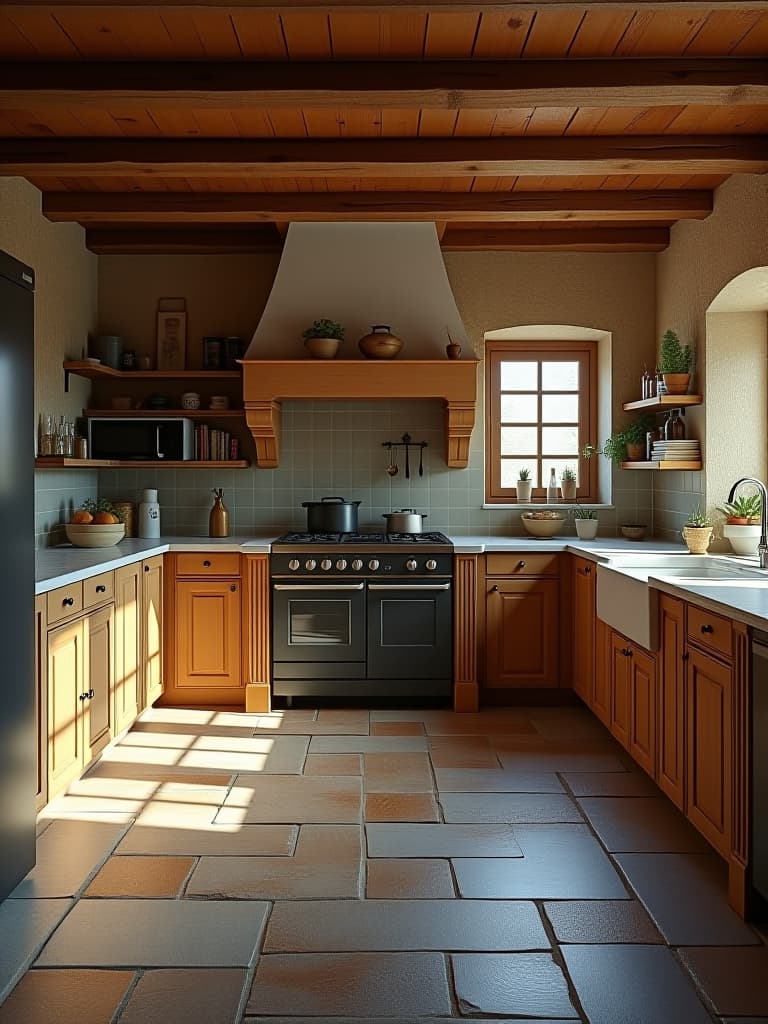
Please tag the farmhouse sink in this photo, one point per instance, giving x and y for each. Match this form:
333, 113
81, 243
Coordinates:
626, 602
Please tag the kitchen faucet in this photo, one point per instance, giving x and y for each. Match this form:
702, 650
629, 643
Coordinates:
762, 547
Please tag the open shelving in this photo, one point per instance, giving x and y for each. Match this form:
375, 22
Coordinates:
99, 371
687, 466
62, 462
193, 414
662, 402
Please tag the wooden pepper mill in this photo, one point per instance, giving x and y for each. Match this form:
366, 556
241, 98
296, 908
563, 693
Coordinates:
218, 521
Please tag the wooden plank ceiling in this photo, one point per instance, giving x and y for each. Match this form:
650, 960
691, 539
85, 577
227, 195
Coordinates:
210, 126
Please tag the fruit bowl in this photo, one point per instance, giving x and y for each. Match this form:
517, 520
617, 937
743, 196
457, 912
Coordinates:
94, 535
543, 524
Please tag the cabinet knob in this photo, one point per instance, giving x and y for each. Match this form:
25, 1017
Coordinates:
494, 589
83, 696
207, 564
685, 656
706, 628
627, 652
68, 602
91, 694
521, 564
146, 568
233, 588
587, 570
101, 589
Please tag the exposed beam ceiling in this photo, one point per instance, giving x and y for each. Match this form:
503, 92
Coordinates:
448, 85
253, 208
141, 240
385, 158
390, 6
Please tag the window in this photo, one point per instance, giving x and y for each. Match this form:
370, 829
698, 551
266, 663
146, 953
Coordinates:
540, 411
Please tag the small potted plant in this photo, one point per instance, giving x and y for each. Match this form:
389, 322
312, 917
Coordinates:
523, 487
614, 448
742, 525
568, 484
322, 339
697, 532
634, 438
586, 523
675, 362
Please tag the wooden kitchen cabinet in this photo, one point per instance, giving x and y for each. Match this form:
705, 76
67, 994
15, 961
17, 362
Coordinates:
670, 732
152, 628
601, 693
584, 598
620, 686
66, 686
522, 632
98, 707
41, 699
632, 704
127, 680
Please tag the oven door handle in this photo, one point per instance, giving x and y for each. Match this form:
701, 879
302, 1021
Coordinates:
320, 587
409, 586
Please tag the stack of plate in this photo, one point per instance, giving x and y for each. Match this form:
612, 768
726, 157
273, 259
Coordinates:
676, 451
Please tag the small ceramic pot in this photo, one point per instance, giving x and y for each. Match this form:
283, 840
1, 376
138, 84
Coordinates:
568, 490
635, 452
697, 538
322, 348
380, 343
523, 489
586, 528
219, 402
190, 400
743, 539
453, 351
677, 383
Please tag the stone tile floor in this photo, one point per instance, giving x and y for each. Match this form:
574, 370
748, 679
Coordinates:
382, 866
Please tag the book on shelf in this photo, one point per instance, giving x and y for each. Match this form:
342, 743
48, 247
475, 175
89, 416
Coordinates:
215, 445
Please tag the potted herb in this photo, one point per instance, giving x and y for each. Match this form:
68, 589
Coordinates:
614, 448
568, 484
697, 532
675, 362
634, 438
523, 487
586, 523
322, 339
742, 526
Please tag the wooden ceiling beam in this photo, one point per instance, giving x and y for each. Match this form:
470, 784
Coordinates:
271, 207
384, 158
584, 239
445, 85
384, 6
142, 240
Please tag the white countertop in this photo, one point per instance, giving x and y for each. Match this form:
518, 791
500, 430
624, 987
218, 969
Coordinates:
598, 549
746, 601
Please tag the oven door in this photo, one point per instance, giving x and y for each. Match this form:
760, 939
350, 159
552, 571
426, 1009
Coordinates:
318, 622
409, 630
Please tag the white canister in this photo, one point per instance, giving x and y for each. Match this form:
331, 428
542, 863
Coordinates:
149, 514
190, 400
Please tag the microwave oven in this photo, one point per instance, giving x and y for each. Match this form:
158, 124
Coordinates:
141, 440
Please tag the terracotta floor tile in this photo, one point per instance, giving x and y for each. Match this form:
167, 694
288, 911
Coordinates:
397, 773
180, 813
462, 752
406, 840
409, 880
66, 997
370, 925
411, 1019
185, 997
211, 841
566, 723
558, 862
347, 984
255, 799
514, 808
273, 755
327, 863
67, 854
611, 784
644, 825
146, 877
686, 895
333, 764
511, 743
542, 761
603, 921
145, 729
482, 780
156, 933
367, 744
484, 723
632, 984
734, 980
327, 722
397, 729
24, 928
526, 984
400, 807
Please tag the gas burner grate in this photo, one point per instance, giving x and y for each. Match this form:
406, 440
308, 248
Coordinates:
432, 537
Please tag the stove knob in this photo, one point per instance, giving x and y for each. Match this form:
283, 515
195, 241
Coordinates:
357, 565
294, 564
326, 564
411, 565
373, 565
310, 564
341, 565
431, 564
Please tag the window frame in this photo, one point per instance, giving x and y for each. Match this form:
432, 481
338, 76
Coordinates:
497, 352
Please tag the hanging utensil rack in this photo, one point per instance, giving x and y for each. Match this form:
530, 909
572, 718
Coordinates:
407, 443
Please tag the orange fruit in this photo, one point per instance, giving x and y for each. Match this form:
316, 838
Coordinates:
104, 519
81, 516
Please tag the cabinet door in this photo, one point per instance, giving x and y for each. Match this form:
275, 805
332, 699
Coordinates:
207, 634
601, 695
127, 645
152, 628
620, 685
584, 596
708, 748
642, 709
41, 700
522, 633
670, 716
99, 707
66, 690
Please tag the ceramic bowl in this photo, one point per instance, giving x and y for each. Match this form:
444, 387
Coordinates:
190, 400
322, 348
634, 532
93, 535
543, 527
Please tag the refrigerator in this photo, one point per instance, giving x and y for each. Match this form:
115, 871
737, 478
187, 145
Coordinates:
18, 734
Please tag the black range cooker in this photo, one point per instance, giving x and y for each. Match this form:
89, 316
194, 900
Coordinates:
367, 614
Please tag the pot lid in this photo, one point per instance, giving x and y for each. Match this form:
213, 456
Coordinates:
330, 501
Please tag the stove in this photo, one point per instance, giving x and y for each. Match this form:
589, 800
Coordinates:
310, 554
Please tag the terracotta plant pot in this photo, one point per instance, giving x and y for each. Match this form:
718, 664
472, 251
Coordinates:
523, 489
568, 490
635, 452
322, 348
697, 538
676, 383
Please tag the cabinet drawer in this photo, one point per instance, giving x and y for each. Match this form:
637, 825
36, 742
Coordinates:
65, 601
710, 630
208, 564
522, 564
98, 589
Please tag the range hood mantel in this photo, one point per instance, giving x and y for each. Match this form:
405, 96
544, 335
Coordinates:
267, 382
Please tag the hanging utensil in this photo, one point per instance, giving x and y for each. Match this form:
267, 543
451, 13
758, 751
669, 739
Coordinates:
392, 467
407, 465
421, 460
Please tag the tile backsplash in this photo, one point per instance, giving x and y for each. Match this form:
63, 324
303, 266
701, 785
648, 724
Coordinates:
675, 495
57, 494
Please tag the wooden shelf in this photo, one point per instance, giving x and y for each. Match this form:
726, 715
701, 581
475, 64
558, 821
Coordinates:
99, 371
194, 414
665, 464
61, 462
663, 402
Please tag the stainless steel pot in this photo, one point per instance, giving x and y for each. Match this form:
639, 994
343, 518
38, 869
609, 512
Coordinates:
331, 515
405, 520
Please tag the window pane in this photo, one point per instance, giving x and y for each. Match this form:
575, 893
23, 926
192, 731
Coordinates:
560, 376
559, 408
560, 440
519, 376
519, 409
510, 471
520, 441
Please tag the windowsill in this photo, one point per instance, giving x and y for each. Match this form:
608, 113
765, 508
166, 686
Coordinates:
526, 505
